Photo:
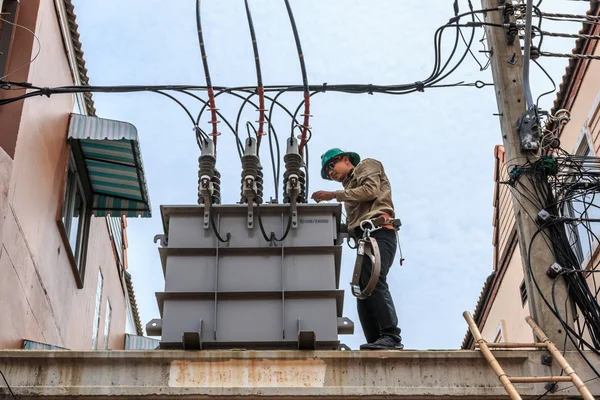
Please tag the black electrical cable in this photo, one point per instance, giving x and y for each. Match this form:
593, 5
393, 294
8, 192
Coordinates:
555, 237
272, 238
306, 91
210, 90
555, 312
8, 386
216, 231
248, 126
260, 89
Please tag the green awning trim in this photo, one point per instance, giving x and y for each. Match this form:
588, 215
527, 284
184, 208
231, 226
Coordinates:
111, 153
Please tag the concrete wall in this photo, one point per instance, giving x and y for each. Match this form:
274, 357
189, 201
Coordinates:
254, 375
39, 298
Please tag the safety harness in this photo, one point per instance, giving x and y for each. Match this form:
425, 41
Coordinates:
367, 246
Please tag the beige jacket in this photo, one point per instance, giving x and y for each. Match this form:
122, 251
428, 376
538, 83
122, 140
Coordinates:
367, 193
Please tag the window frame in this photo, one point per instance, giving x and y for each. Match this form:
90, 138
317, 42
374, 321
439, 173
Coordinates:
523, 293
6, 41
583, 145
500, 333
107, 322
75, 174
97, 310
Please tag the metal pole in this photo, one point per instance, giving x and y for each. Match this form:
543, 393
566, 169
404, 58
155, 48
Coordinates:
507, 69
527, 55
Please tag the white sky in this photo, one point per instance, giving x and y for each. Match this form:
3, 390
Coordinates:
437, 146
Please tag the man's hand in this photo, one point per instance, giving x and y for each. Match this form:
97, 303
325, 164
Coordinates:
322, 195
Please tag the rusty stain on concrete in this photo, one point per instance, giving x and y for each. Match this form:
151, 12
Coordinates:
248, 373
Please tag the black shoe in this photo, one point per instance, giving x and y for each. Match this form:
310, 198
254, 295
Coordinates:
385, 342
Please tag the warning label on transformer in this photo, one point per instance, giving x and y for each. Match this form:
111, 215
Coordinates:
314, 221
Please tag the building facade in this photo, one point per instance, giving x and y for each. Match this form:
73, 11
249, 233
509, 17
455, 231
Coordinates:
68, 180
502, 306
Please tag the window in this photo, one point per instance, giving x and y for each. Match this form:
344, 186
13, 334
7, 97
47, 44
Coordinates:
77, 107
108, 311
499, 336
8, 18
115, 229
97, 311
75, 220
523, 290
582, 233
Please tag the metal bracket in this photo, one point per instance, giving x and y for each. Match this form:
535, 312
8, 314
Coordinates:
528, 131
193, 340
206, 193
293, 190
207, 209
249, 193
307, 340
250, 213
345, 326
294, 212
546, 360
154, 327
164, 240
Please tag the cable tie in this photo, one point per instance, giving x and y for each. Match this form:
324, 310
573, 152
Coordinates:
370, 89
420, 86
46, 91
324, 87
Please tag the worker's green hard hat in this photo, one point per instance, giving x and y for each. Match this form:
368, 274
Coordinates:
331, 153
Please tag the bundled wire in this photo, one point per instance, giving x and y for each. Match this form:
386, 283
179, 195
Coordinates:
567, 187
444, 65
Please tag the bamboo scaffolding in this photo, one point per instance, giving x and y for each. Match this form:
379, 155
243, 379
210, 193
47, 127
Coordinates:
508, 386
585, 393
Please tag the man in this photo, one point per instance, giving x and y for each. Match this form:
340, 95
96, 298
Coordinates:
366, 195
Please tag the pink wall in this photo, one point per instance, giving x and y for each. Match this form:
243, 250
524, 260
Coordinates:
39, 298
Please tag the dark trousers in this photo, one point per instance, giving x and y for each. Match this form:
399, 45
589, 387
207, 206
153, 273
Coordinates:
377, 312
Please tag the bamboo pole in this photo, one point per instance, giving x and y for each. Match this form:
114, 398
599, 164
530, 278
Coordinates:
585, 393
508, 386
515, 345
539, 379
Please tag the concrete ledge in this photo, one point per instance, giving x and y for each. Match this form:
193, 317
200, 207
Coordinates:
276, 374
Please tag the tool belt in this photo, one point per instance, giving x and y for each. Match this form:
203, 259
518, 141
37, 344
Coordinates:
367, 246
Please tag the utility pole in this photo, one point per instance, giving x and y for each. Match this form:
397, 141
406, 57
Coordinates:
507, 70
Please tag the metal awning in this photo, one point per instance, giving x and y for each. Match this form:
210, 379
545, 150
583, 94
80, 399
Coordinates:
111, 153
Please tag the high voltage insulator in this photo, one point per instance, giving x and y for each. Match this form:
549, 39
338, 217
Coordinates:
206, 180
259, 184
252, 176
216, 181
294, 180
252, 179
